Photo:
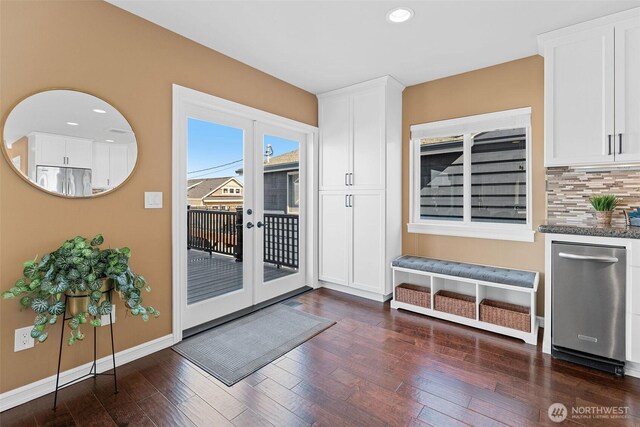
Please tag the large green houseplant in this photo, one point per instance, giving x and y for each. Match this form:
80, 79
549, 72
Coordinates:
78, 267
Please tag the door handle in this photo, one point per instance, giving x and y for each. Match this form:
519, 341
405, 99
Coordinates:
260, 224
577, 257
249, 225
609, 138
620, 143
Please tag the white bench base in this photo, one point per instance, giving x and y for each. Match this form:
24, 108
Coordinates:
479, 289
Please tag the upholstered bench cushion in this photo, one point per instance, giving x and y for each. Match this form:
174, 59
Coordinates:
505, 276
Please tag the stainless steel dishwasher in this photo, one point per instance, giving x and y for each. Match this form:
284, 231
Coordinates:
588, 305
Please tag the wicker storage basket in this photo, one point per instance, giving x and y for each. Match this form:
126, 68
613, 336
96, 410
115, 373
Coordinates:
504, 314
455, 303
414, 295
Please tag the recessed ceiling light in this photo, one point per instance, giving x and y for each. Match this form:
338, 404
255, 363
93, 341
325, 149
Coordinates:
99, 111
399, 14
109, 140
72, 123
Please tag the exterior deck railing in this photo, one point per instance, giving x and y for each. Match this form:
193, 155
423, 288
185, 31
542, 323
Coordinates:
221, 232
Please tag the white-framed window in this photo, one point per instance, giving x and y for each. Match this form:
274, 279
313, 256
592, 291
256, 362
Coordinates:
471, 176
293, 192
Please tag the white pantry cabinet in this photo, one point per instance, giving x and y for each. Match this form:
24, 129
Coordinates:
360, 187
352, 149
352, 240
592, 92
110, 164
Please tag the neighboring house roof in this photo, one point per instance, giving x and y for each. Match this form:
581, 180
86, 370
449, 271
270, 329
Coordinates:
286, 161
201, 188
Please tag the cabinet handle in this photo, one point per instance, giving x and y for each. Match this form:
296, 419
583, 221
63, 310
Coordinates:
351, 178
346, 179
609, 137
346, 198
620, 143
350, 200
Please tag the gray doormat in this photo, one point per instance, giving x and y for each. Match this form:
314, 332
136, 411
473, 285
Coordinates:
236, 349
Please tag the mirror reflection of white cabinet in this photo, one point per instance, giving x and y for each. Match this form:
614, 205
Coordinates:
110, 166
47, 149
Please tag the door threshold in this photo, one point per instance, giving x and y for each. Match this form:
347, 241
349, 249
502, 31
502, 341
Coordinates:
245, 311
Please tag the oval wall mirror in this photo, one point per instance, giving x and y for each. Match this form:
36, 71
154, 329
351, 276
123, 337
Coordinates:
69, 143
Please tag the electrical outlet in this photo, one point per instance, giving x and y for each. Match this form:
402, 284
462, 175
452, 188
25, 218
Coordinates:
23, 339
104, 319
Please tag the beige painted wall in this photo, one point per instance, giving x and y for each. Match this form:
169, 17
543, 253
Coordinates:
131, 63
511, 85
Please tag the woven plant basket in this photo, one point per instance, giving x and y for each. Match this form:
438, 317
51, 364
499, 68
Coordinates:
504, 314
455, 303
414, 295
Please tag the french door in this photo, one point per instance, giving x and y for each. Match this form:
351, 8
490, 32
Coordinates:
245, 219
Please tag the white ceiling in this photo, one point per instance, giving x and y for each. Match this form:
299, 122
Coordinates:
320, 45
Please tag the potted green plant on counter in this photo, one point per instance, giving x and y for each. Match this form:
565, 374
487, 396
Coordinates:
604, 205
84, 272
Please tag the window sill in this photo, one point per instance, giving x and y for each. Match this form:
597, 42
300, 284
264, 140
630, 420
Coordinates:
478, 232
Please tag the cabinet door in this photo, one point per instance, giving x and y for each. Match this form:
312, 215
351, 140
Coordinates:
368, 242
335, 145
633, 347
118, 164
334, 238
50, 150
79, 153
368, 140
627, 99
579, 98
100, 168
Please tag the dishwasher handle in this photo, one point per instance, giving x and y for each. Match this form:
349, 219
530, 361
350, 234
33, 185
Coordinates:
610, 259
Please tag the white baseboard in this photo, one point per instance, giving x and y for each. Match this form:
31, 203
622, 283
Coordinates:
356, 292
44, 386
632, 369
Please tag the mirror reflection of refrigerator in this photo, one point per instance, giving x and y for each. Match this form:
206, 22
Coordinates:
74, 182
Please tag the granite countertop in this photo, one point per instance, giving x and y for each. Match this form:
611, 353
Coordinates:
591, 229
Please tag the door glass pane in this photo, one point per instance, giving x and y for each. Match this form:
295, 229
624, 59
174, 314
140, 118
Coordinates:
282, 191
215, 193
441, 178
499, 176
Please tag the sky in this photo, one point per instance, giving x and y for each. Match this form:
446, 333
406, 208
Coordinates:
219, 147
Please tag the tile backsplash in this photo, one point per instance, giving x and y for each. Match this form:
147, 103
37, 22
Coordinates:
568, 192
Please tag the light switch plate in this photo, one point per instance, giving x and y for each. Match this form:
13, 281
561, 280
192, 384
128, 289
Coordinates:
152, 199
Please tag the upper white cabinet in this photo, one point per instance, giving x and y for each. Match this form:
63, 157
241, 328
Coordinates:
627, 90
592, 92
352, 148
335, 148
360, 187
59, 151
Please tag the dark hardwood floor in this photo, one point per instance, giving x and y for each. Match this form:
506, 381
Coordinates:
375, 367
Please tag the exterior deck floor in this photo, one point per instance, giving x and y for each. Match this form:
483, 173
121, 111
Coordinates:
213, 275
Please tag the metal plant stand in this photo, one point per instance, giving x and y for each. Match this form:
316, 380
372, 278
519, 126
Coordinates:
94, 368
